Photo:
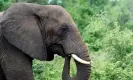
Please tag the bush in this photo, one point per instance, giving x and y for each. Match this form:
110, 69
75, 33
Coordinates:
104, 69
94, 32
110, 48
51, 70
48, 70
118, 43
4, 4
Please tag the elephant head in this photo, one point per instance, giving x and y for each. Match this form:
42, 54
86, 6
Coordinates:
42, 31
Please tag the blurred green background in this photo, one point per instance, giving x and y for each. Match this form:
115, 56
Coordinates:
107, 28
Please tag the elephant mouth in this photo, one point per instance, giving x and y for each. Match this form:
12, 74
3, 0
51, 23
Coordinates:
58, 49
55, 49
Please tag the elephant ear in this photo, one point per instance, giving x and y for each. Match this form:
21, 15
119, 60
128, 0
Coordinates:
23, 32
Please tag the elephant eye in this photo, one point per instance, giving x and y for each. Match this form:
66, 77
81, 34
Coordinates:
63, 29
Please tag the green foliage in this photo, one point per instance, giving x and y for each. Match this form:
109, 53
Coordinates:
111, 47
118, 43
34, 1
94, 32
4, 4
106, 70
120, 12
48, 70
110, 38
51, 70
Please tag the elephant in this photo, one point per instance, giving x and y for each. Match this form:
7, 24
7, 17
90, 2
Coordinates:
32, 31
1, 13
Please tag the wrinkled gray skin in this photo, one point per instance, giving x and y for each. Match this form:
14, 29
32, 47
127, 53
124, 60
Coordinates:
1, 13
32, 31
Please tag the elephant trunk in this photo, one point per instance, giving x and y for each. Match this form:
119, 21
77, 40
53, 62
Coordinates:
75, 47
83, 70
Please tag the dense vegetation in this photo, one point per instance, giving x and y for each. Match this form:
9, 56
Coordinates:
107, 28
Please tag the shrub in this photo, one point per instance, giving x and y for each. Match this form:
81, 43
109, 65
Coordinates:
4, 4
94, 32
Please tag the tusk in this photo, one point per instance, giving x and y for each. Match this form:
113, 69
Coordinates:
79, 59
